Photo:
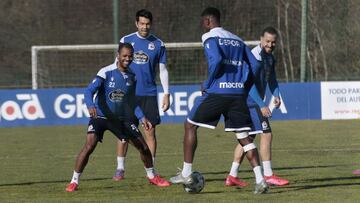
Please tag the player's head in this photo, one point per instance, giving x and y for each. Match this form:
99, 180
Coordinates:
210, 18
124, 55
268, 39
143, 22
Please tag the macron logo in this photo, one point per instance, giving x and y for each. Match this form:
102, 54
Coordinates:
231, 85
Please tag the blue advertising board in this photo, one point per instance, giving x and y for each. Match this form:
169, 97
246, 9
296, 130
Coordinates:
65, 106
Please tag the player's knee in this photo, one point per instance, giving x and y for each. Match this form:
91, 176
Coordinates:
249, 147
241, 135
189, 126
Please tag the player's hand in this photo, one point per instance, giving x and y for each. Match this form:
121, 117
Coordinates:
265, 111
166, 102
92, 112
277, 102
146, 124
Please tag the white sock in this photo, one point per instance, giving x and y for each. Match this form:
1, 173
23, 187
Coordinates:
75, 178
234, 169
267, 168
120, 163
150, 172
187, 169
258, 175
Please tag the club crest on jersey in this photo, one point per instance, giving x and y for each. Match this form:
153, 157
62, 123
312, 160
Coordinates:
116, 95
140, 57
151, 46
264, 125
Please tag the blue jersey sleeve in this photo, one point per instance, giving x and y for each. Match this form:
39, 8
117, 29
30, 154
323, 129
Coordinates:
214, 58
251, 60
273, 84
139, 113
162, 58
91, 89
254, 94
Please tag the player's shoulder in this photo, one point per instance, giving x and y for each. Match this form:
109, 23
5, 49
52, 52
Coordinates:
220, 32
256, 51
128, 38
103, 71
153, 37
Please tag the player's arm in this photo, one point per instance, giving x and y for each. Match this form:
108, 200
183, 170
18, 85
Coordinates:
214, 58
274, 87
91, 89
164, 79
144, 121
254, 94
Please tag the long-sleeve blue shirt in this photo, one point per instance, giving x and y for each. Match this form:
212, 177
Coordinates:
266, 76
112, 93
230, 63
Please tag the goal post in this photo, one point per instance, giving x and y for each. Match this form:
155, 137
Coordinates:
54, 66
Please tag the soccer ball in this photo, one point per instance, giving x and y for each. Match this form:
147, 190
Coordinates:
197, 183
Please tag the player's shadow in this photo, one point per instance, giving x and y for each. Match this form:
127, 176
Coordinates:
295, 187
45, 182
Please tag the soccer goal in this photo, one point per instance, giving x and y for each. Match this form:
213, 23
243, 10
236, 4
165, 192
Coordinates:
59, 66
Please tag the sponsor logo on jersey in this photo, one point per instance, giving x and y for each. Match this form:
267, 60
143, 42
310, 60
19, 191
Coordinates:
140, 57
264, 125
91, 128
229, 42
231, 85
151, 46
231, 62
116, 95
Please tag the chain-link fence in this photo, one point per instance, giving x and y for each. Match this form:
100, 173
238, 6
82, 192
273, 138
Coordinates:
333, 31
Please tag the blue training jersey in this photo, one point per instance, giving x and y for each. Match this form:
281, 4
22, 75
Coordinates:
266, 75
148, 53
230, 63
114, 93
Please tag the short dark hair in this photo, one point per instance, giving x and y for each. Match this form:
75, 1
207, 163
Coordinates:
125, 45
270, 30
211, 11
143, 13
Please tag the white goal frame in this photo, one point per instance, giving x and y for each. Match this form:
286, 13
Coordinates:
36, 49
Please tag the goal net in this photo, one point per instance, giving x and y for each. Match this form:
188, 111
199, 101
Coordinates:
75, 65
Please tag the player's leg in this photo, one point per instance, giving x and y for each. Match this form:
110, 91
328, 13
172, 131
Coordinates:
149, 105
121, 151
237, 119
136, 139
265, 152
262, 124
232, 179
94, 127
205, 113
150, 139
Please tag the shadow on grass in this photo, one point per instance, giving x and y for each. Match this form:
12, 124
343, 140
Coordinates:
45, 182
295, 187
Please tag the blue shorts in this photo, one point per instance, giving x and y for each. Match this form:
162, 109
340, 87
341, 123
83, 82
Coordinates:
208, 109
149, 106
123, 130
261, 124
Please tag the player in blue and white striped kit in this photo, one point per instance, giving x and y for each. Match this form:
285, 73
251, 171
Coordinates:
260, 112
231, 70
149, 54
114, 108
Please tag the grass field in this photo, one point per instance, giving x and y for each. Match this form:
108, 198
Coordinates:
317, 157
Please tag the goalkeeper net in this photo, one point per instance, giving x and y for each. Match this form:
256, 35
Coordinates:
75, 65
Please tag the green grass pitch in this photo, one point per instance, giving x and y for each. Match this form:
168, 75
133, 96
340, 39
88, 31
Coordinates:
318, 158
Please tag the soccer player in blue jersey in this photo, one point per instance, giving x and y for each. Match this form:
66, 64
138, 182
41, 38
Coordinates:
260, 112
114, 108
231, 67
149, 53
